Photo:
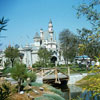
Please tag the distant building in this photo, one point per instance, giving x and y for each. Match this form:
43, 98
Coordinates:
46, 39
2, 59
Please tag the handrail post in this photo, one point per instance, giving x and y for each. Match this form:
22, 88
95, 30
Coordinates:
42, 73
68, 71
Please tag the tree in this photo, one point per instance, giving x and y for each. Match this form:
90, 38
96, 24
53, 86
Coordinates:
32, 76
19, 73
3, 24
89, 9
68, 42
44, 56
11, 53
91, 37
88, 43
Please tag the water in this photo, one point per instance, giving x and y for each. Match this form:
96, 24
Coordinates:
73, 92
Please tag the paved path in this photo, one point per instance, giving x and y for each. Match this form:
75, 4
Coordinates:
73, 78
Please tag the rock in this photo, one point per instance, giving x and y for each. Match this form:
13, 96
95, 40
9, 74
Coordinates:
41, 88
35, 91
30, 96
21, 92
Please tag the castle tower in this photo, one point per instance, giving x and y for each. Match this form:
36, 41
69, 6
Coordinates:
41, 34
36, 39
50, 29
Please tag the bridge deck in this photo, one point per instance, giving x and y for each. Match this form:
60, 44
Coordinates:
52, 76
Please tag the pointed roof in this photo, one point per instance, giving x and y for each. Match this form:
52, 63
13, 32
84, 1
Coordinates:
50, 21
37, 35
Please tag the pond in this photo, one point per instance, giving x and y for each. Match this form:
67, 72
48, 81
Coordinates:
72, 92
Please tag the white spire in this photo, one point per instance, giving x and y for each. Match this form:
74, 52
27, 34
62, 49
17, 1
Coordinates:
50, 29
41, 33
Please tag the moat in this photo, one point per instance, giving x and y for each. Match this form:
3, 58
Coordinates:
73, 92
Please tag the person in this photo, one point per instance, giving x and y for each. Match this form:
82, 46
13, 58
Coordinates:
87, 65
80, 66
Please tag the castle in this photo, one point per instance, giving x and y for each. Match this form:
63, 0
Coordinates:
45, 39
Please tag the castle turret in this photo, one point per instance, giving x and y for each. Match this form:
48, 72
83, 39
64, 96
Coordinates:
36, 39
50, 29
41, 34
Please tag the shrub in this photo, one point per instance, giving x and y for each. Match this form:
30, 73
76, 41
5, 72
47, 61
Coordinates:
36, 84
44, 98
32, 76
54, 96
4, 92
52, 89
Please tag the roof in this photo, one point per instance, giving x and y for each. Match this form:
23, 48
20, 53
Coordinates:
46, 35
37, 35
82, 57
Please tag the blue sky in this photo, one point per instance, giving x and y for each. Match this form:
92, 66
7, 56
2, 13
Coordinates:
26, 17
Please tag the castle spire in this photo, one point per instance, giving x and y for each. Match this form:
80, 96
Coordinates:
50, 29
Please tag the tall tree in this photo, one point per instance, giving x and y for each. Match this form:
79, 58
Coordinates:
68, 42
44, 56
89, 9
11, 53
89, 43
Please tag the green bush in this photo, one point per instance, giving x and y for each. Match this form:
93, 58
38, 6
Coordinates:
4, 92
36, 84
6, 70
24, 84
36, 65
52, 89
50, 97
54, 96
44, 98
32, 76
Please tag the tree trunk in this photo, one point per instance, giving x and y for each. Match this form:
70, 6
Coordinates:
19, 84
12, 62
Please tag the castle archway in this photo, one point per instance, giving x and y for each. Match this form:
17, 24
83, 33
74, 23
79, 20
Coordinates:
53, 59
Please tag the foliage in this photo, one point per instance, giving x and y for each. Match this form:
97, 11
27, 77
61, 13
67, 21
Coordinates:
36, 84
6, 70
50, 97
92, 81
54, 96
52, 89
32, 76
44, 57
68, 42
11, 53
89, 9
4, 92
7, 63
3, 23
44, 98
89, 43
37, 64
19, 73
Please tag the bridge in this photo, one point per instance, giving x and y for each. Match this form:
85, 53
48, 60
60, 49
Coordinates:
51, 75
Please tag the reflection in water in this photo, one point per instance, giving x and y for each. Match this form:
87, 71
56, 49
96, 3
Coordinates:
75, 92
